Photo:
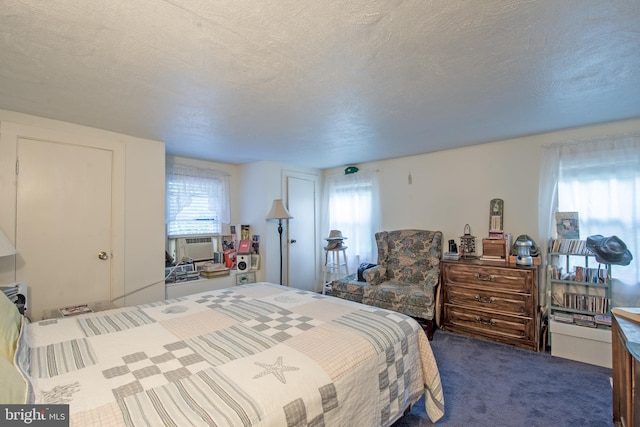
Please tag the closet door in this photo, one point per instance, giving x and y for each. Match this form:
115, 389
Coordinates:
63, 223
300, 245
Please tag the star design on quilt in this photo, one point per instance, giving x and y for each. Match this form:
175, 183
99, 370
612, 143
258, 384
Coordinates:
277, 369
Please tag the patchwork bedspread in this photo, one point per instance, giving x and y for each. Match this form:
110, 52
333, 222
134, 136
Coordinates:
250, 355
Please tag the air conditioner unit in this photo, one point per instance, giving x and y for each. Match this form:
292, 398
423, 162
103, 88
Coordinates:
195, 248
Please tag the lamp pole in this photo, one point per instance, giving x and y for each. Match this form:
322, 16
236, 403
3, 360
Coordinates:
280, 233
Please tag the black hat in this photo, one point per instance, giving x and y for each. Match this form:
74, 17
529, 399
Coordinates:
609, 250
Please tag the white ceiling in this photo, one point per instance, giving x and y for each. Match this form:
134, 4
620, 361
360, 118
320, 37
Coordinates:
321, 83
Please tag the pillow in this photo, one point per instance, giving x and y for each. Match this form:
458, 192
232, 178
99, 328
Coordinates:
10, 320
14, 388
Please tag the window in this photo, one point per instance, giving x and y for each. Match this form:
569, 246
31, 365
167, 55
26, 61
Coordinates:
600, 179
353, 208
197, 200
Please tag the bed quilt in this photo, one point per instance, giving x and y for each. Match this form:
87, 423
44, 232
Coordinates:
251, 355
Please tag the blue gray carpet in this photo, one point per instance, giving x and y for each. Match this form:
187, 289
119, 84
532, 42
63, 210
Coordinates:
490, 384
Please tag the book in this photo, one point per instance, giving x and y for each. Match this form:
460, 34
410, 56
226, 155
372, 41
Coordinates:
563, 317
244, 247
75, 310
603, 319
215, 273
492, 258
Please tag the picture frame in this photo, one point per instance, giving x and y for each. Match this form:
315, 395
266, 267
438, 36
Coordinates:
496, 216
255, 262
227, 243
567, 225
244, 278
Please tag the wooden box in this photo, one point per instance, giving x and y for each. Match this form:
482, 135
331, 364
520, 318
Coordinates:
494, 247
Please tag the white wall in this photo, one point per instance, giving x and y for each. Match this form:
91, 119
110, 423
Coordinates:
144, 221
260, 184
452, 188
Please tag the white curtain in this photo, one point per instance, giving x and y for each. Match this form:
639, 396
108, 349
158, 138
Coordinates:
600, 179
184, 184
353, 206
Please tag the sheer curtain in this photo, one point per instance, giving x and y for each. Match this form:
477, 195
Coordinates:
600, 179
197, 200
353, 207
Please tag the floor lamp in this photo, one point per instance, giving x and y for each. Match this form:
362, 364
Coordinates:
279, 212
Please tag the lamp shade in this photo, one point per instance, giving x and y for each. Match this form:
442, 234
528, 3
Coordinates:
278, 211
6, 248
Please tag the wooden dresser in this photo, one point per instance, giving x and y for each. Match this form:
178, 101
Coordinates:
625, 341
494, 301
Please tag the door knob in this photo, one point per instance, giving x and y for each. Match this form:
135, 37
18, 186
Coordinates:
292, 241
103, 255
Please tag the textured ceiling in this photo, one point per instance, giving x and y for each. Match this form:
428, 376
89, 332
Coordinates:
321, 84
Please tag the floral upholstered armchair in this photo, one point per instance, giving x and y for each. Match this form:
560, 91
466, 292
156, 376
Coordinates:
407, 273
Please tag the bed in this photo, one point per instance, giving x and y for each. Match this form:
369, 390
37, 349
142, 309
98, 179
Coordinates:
251, 355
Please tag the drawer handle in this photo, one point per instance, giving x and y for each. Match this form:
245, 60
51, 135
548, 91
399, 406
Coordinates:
489, 300
485, 277
489, 322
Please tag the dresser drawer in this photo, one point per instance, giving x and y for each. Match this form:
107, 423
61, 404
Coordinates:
509, 279
519, 304
517, 330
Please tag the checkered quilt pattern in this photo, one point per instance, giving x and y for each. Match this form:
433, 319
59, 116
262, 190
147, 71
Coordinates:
251, 355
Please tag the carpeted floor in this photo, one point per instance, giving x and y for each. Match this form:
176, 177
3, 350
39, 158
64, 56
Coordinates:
490, 384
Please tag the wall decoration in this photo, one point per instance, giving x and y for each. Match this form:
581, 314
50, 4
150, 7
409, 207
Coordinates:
567, 225
255, 261
496, 219
244, 278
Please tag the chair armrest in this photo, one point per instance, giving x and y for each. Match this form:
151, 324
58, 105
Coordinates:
375, 275
433, 277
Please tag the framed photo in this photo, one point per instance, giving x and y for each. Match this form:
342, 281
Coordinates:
496, 214
244, 278
227, 243
255, 262
567, 225
255, 244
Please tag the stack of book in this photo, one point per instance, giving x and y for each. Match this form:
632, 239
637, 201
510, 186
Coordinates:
563, 317
209, 270
603, 319
583, 319
493, 258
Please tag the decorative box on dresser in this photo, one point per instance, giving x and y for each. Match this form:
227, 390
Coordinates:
490, 300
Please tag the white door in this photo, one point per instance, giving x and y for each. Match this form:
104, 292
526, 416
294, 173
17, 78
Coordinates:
302, 246
63, 223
